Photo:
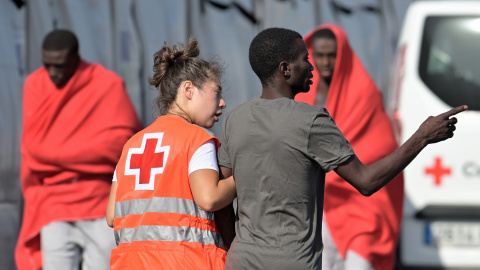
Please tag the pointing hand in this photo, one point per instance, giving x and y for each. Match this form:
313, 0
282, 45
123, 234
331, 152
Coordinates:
439, 128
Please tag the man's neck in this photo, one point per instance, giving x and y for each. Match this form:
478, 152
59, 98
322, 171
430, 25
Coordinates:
322, 87
322, 91
276, 90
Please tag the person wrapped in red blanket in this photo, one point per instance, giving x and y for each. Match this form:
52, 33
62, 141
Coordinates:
76, 118
359, 232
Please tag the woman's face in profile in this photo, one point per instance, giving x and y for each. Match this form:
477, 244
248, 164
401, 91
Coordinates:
208, 104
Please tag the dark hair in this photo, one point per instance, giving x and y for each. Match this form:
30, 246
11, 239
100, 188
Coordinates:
60, 39
324, 33
269, 48
173, 65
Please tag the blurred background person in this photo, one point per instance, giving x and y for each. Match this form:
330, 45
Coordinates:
358, 232
76, 118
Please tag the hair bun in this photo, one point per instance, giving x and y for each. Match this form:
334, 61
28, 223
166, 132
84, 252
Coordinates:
168, 57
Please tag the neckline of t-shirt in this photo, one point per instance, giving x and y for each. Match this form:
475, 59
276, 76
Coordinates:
264, 101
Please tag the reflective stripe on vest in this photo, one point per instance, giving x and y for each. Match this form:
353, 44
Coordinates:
169, 233
165, 233
161, 205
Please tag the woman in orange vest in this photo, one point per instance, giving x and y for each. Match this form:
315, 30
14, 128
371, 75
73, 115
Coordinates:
166, 183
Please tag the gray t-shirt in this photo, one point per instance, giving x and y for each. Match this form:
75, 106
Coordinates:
279, 151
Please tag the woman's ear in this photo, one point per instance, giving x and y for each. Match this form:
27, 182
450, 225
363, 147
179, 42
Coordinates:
187, 88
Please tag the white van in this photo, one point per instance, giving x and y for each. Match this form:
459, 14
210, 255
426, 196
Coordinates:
437, 68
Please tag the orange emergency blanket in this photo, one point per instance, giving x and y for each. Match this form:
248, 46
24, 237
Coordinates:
71, 141
367, 225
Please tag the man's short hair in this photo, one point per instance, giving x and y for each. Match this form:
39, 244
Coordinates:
269, 48
324, 33
58, 40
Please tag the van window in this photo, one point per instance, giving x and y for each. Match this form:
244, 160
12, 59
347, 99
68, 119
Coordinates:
450, 59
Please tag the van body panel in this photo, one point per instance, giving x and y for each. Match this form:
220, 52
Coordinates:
441, 227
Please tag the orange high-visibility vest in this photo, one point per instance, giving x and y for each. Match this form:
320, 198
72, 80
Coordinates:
157, 224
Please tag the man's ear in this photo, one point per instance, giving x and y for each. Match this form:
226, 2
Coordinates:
285, 69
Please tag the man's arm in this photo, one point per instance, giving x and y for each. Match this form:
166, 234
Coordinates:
225, 218
369, 179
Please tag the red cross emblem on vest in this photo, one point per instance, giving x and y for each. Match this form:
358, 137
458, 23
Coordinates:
147, 161
438, 171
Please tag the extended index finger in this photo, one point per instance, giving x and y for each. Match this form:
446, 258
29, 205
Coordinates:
454, 111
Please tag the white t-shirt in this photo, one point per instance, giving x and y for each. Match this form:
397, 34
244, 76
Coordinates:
204, 158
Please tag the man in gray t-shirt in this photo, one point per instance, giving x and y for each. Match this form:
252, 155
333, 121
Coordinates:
279, 150
280, 181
